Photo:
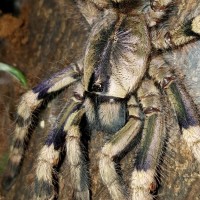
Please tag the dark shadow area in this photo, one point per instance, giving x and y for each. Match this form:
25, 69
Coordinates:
10, 6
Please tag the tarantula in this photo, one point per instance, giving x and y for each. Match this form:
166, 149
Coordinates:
120, 83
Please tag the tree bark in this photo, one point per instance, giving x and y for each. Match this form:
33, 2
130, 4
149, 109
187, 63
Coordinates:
48, 36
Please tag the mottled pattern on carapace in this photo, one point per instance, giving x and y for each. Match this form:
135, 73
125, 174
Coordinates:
116, 55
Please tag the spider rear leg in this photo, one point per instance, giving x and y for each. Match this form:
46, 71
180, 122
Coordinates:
153, 137
49, 155
118, 143
182, 103
29, 103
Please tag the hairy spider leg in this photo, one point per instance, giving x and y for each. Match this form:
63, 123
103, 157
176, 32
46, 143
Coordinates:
49, 155
76, 159
29, 103
89, 10
182, 103
153, 138
187, 116
164, 37
118, 143
155, 10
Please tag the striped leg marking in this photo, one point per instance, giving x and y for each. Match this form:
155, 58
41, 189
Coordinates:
181, 102
115, 147
29, 103
76, 159
50, 154
186, 116
153, 136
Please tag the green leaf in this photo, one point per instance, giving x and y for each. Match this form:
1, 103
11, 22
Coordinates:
15, 72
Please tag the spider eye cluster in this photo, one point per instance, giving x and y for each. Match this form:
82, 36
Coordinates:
97, 87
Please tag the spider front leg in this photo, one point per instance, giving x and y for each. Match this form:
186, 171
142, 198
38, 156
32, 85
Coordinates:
89, 10
165, 37
153, 137
182, 103
155, 10
115, 147
29, 103
49, 156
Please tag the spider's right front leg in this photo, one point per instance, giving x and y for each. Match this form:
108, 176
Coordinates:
144, 175
29, 103
182, 103
155, 10
166, 37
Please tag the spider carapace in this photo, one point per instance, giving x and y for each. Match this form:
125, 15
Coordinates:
115, 63
120, 83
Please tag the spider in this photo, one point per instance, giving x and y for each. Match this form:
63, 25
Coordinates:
120, 84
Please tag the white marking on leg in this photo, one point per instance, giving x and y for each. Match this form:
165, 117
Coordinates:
78, 167
141, 183
109, 175
196, 25
15, 158
48, 158
192, 137
61, 84
21, 132
111, 178
28, 103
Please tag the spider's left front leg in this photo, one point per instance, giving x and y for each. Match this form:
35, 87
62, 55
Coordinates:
181, 101
29, 104
115, 147
66, 130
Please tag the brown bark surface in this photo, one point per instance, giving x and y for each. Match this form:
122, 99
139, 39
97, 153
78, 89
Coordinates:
45, 37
